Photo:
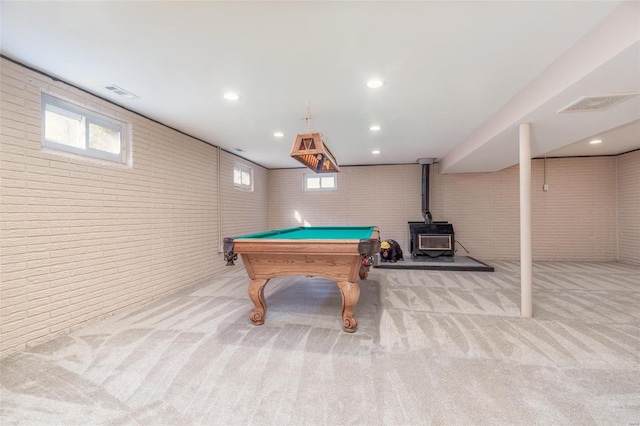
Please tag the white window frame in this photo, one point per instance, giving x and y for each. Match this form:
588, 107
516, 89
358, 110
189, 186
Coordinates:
308, 176
62, 107
246, 170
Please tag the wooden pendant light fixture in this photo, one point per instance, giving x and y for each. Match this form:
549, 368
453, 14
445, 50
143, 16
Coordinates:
310, 150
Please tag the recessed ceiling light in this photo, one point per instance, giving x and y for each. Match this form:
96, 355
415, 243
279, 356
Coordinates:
375, 152
595, 141
375, 128
231, 96
278, 134
375, 84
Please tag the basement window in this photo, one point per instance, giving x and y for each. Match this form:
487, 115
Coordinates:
323, 182
72, 128
243, 177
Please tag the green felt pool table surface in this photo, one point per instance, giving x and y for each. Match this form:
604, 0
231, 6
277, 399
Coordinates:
315, 233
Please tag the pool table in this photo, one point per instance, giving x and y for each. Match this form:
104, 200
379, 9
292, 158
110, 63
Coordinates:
340, 253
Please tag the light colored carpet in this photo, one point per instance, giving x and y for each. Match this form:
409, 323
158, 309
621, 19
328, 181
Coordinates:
441, 348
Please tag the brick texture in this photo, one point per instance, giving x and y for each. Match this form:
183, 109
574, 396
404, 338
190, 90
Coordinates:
576, 219
81, 240
384, 196
628, 184
243, 212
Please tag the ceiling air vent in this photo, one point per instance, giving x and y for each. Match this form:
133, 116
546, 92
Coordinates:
597, 103
120, 91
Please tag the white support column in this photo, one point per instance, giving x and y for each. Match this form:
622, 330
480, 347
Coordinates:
526, 268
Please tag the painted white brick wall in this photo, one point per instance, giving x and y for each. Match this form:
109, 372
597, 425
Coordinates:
243, 212
384, 196
80, 240
628, 181
574, 220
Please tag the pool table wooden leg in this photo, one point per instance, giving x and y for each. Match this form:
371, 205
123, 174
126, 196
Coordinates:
350, 295
256, 293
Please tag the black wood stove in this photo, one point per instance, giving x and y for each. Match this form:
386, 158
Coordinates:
430, 238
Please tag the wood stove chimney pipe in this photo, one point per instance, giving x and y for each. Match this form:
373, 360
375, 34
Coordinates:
425, 162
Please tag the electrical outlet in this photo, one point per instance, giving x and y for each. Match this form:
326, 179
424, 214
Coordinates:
545, 187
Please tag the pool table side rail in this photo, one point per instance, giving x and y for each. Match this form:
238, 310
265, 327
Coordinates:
369, 246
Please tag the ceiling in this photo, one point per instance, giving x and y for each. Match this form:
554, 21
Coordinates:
459, 76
